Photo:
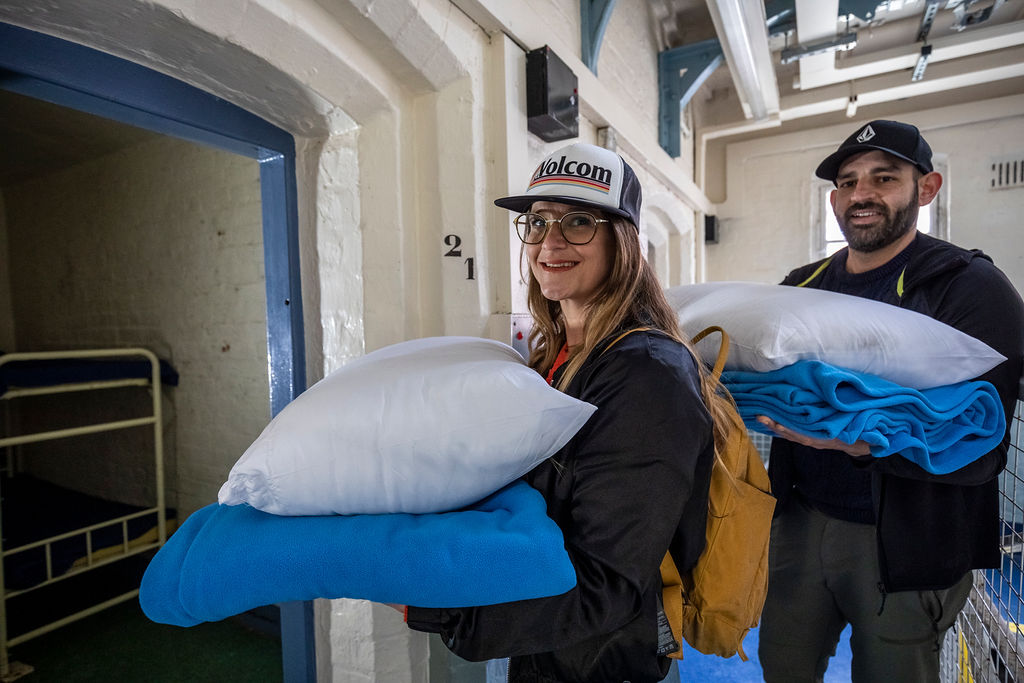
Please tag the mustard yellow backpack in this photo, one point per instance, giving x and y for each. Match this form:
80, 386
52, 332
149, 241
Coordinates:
716, 603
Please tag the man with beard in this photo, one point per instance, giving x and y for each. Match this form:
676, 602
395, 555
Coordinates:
882, 544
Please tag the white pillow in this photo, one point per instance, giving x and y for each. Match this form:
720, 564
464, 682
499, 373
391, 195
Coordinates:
771, 326
423, 426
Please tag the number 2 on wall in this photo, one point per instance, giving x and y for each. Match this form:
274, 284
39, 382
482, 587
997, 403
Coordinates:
454, 242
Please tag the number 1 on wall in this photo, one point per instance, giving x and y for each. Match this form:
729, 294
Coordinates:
454, 244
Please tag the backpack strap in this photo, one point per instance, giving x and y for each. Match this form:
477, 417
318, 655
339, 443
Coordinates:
723, 349
672, 604
624, 334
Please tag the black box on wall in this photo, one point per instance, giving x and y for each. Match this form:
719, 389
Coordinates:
711, 229
552, 103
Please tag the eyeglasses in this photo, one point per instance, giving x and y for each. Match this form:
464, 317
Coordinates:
578, 227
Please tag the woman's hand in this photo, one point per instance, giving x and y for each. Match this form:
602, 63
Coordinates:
856, 448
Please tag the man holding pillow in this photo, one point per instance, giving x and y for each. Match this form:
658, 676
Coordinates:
880, 543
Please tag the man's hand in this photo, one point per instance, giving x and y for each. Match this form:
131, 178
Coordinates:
856, 448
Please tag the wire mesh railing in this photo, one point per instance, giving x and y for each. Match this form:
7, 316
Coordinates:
985, 645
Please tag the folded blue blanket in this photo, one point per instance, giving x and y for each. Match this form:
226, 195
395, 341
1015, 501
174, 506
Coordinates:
940, 429
225, 560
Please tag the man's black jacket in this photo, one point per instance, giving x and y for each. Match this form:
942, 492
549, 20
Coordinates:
931, 528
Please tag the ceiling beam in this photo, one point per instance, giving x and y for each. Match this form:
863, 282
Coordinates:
742, 29
949, 75
816, 20
954, 46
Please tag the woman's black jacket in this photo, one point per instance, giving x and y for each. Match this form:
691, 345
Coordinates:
631, 482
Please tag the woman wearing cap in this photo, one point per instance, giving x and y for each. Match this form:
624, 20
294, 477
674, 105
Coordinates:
633, 482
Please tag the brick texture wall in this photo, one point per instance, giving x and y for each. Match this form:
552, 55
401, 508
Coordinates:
158, 246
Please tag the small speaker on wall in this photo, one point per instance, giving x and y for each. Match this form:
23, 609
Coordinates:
552, 102
710, 229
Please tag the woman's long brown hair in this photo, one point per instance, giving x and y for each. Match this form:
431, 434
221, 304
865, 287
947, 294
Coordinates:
630, 293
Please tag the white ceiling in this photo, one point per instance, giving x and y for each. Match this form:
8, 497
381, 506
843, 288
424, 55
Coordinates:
976, 52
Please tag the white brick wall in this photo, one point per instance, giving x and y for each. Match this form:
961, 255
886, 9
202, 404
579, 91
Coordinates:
376, 645
628, 61
159, 246
981, 217
562, 18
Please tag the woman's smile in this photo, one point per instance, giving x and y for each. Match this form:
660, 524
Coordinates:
558, 265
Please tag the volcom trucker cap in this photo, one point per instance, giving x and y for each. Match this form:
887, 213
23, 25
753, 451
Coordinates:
899, 139
582, 175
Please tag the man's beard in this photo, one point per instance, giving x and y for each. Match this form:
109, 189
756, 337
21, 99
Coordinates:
892, 227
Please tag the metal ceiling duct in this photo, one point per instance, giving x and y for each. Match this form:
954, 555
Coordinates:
742, 30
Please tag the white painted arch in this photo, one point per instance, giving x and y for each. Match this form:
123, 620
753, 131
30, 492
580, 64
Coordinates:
668, 224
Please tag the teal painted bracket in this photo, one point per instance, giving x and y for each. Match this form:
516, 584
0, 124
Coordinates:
781, 16
862, 9
681, 71
594, 16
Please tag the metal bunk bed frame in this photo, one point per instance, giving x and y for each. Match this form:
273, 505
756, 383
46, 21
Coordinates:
9, 670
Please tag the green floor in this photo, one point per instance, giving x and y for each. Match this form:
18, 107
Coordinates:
120, 645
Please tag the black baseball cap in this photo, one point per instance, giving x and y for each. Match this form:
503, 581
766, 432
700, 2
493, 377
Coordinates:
582, 175
898, 139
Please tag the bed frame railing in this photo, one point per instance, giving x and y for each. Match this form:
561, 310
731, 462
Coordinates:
106, 555
93, 559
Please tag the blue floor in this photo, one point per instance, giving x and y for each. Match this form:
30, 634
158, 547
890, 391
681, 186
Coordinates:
712, 669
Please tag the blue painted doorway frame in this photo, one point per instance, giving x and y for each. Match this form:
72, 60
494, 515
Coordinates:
78, 77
